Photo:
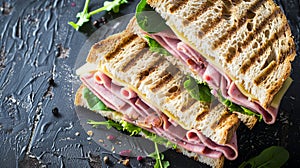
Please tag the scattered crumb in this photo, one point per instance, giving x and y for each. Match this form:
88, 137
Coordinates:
90, 133
105, 159
125, 162
100, 140
112, 148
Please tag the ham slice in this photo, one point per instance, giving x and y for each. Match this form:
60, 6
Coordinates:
138, 112
217, 80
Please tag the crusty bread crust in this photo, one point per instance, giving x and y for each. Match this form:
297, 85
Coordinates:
250, 40
215, 163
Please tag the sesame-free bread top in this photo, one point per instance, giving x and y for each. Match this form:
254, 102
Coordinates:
249, 40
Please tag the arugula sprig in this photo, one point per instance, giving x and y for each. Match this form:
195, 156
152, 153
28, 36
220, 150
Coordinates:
159, 158
84, 16
109, 124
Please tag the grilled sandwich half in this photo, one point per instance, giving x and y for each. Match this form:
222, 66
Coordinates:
246, 48
143, 88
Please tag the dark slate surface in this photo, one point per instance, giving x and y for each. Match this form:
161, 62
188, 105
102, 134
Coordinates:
38, 122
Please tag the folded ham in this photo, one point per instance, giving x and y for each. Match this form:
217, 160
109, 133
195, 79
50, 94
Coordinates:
138, 112
218, 81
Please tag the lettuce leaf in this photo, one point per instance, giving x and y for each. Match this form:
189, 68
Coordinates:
199, 91
234, 107
148, 19
156, 47
94, 103
109, 124
132, 129
160, 140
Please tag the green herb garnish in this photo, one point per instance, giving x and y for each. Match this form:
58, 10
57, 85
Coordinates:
109, 124
159, 158
273, 157
132, 129
160, 140
234, 107
199, 91
94, 103
156, 47
84, 16
148, 19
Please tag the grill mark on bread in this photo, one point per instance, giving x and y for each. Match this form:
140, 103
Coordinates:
151, 68
217, 20
162, 82
188, 104
265, 73
135, 58
285, 54
248, 63
202, 9
219, 123
202, 115
175, 91
229, 56
261, 26
233, 30
165, 77
125, 41
236, 2
177, 4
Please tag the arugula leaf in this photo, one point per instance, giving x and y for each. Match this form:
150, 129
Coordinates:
156, 47
234, 107
132, 129
109, 124
157, 139
199, 91
84, 16
148, 19
274, 156
94, 103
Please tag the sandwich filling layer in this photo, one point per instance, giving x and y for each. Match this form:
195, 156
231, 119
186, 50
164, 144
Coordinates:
136, 111
218, 81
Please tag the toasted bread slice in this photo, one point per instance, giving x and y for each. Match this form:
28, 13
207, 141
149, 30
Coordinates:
249, 40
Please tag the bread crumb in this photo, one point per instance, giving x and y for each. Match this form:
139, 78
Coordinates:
125, 162
90, 133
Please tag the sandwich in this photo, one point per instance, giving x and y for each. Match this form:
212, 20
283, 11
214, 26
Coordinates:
241, 49
125, 81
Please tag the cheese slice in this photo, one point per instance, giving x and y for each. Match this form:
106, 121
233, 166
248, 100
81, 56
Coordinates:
278, 97
86, 68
